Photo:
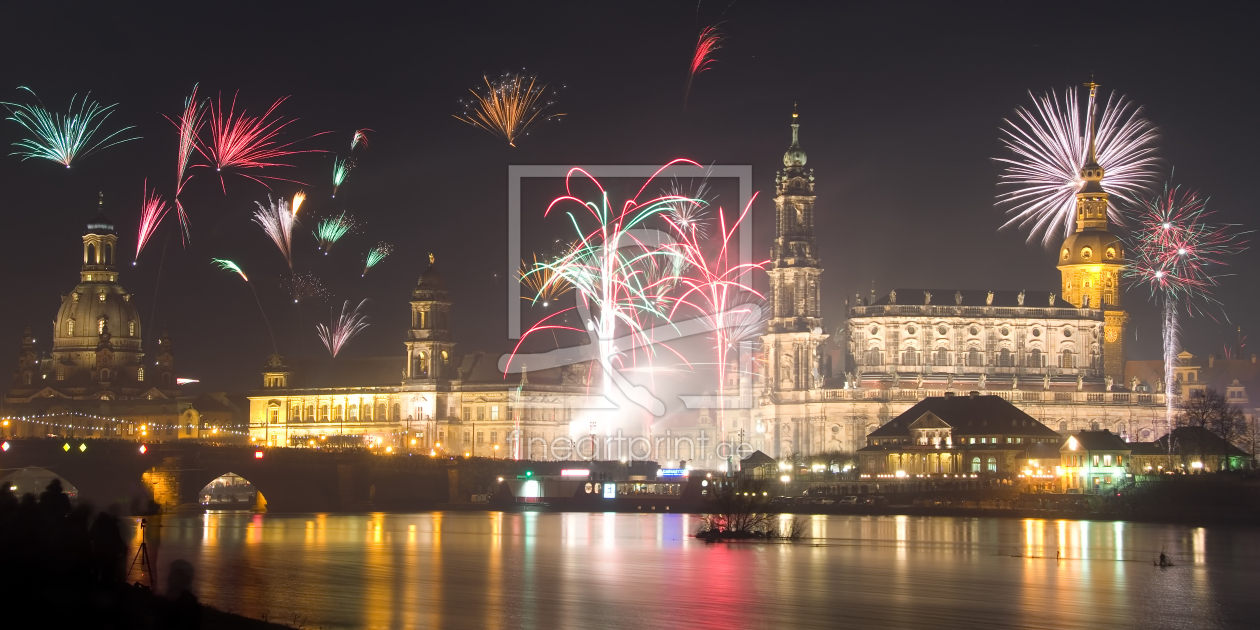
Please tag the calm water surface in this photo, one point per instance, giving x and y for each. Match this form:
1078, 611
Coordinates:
498, 570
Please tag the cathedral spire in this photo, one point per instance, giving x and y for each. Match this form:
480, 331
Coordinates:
1091, 172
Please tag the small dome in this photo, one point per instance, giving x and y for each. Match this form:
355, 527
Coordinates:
795, 155
101, 223
86, 306
431, 280
1091, 247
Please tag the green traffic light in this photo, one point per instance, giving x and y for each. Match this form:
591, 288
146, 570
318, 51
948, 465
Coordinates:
529, 473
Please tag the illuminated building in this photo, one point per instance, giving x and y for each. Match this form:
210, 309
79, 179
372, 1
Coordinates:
1094, 462
945, 436
95, 382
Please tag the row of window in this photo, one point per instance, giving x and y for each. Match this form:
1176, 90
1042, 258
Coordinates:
973, 358
1098, 460
352, 413
100, 325
106, 255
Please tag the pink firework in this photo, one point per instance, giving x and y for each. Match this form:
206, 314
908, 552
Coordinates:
360, 137
242, 142
342, 328
151, 215
710, 41
189, 125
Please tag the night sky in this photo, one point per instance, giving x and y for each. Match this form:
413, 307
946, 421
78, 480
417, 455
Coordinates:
900, 105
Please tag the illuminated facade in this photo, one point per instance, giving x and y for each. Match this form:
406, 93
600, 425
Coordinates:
1094, 462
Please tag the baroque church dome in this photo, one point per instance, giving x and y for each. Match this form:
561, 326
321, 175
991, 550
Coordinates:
98, 303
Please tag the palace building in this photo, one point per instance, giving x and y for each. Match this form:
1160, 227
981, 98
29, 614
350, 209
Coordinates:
1055, 353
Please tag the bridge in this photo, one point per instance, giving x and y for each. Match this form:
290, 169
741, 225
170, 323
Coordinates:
169, 477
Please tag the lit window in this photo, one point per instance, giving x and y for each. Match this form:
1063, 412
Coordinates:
140, 375
101, 297
494, 412
100, 325
131, 328
70, 328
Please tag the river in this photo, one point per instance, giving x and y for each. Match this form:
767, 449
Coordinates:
579, 570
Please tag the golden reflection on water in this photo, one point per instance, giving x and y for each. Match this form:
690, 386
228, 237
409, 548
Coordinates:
508, 570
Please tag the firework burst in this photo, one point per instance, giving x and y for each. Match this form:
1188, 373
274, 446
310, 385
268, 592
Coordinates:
298, 199
1049, 145
1175, 254
62, 138
277, 221
240, 142
376, 255
709, 42
151, 215
341, 170
189, 125
542, 281
360, 137
305, 286
332, 229
508, 106
343, 327
689, 209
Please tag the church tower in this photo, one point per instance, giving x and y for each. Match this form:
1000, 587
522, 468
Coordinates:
429, 345
1092, 259
795, 328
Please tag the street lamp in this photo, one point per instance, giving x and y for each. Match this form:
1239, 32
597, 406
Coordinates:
496, 451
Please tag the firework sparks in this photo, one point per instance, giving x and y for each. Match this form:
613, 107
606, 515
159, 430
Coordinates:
277, 221
189, 125
688, 209
240, 142
376, 255
360, 137
298, 199
62, 138
341, 170
542, 281
332, 229
1175, 254
709, 42
151, 215
305, 286
1049, 144
343, 327
508, 106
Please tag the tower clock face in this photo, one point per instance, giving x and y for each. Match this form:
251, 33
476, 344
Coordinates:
1112, 335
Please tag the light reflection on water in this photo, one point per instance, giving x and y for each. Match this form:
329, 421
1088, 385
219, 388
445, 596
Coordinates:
508, 570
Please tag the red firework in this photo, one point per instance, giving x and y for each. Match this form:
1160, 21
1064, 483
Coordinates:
710, 41
243, 142
189, 125
151, 215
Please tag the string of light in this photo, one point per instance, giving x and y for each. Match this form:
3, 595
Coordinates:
35, 419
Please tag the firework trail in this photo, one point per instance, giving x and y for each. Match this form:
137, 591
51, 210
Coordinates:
1175, 255
62, 138
239, 142
690, 208
151, 215
189, 125
277, 221
341, 170
343, 327
376, 255
228, 265
331, 229
709, 42
1049, 145
508, 106
298, 199
541, 280
360, 137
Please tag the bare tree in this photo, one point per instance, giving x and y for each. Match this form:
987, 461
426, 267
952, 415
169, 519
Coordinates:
1210, 413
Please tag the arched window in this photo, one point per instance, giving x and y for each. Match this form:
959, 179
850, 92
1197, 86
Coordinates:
380, 412
131, 328
1093, 426
70, 327
1068, 360
295, 413
422, 365
445, 357
909, 357
1063, 427
397, 412
91, 254
1004, 358
1034, 358
105, 374
27, 378
140, 374
367, 412
975, 464
323, 413
337, 413
973, 357
992, 464
109, 254
354, 413
942, 356
874, 357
